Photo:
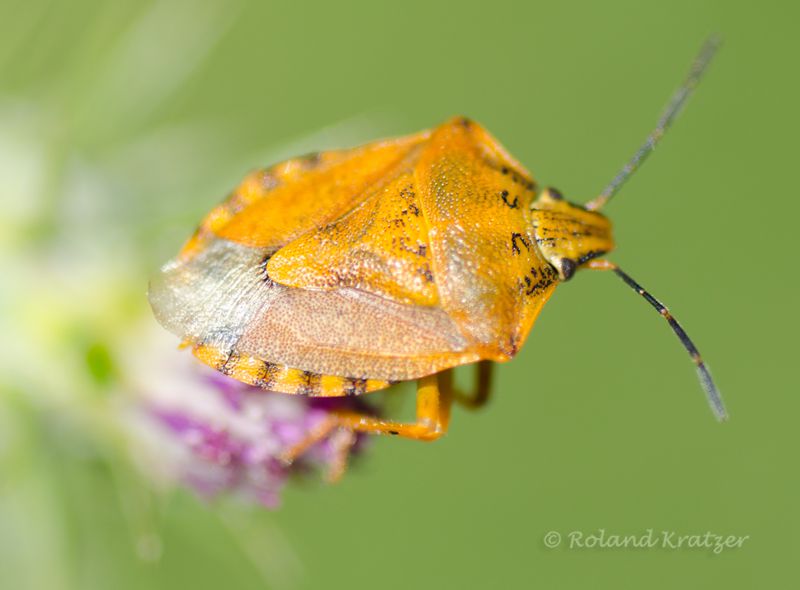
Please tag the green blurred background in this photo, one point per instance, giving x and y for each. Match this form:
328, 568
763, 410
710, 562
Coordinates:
121, 124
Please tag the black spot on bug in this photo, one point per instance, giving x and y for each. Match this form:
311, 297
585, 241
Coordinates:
555, 194
394, 432
407, 192
536, 282
229, 364
402, 242
568, 267
465, 122
513, 204
516, 237
426, 273
266, 375
408, 195
309, 384
354, 386
516, 177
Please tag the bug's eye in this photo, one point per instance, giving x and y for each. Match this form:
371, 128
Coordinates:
567, 268
553, 193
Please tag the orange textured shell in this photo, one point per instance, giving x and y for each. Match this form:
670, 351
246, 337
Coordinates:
345, 271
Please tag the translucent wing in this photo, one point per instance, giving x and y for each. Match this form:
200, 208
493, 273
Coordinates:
222, 299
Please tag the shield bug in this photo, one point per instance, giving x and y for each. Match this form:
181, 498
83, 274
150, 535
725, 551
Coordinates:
344, 272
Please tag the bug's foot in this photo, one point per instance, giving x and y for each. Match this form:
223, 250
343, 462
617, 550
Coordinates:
320, 433
342, 441
340, 438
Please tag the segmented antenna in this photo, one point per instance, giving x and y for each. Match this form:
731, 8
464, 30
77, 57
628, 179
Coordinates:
667, 117
707, 383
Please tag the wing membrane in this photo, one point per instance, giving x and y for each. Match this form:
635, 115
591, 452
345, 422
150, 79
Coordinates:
222, 299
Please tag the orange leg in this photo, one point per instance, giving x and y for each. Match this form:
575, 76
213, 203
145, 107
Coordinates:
483, 384
343, 441
433, 416
320, 433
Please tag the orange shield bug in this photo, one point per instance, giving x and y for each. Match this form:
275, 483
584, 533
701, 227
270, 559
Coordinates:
344, 272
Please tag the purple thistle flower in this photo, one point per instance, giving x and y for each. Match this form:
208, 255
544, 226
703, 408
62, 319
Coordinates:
218, 435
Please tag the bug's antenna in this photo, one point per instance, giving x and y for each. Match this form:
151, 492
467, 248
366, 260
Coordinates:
712, 393
667, 117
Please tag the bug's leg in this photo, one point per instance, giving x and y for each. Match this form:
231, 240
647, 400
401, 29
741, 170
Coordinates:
433, 414
342, 441
320, 433
480, 393
710, 388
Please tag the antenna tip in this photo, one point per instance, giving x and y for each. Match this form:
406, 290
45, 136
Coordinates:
712, 393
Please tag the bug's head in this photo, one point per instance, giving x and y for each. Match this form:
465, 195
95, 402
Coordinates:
567, 234
570, 235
